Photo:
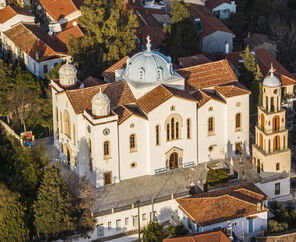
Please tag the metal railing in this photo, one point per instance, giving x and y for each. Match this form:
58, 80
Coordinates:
271, 130
271, 150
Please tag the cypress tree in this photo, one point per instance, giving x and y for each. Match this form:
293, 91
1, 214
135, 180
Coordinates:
53, 208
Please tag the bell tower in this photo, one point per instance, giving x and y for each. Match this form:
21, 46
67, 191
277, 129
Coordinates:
270, 151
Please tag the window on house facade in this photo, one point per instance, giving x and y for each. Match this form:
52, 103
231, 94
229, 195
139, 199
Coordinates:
277, 166
144, 216
135, 221
45, 69
118, 224
100, 230
106, 149
277, 188
109, 225
153, 216
238, 122
67, 124
133, 147
126, 221
34, 67
188, 122
211, 126
168, 132
157, 135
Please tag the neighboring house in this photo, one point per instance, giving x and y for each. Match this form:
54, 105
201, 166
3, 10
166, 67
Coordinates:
288, 81
242, 207
2, 4
12, 15
56, 13
214, 35
211, 236
222, 9
104, 131
193, 60
30, 42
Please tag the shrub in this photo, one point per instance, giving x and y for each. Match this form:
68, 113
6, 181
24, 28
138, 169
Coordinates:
274, 226
216, 176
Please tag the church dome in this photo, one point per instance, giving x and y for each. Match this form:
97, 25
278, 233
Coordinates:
271, 80
148, 66
67, 74
100, 104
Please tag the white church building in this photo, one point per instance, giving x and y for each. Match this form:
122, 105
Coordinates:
150, 119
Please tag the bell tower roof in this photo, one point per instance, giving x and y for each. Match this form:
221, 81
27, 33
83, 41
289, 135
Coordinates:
271, 80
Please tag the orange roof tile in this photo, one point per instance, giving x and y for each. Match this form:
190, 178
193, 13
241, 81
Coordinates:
232, 90
159, 95
126, 111
211, 4
223, 204
109, 73
208, 75
156, 34
193, 60
264, 61
32, 39
10, 11
92, 81
210, 236
63, 36
119, 93
209, 22
58, 9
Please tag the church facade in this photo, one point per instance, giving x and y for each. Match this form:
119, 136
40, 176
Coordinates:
150, 118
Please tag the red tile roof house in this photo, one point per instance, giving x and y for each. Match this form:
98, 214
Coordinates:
39, 51
221, 8
215, 36
241, 206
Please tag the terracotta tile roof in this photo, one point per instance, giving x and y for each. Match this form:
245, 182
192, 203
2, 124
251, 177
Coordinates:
58, 9
63, 36
211, 4
109, 73
232, 90
209, 22
264, 61
223, 204
119, 93
10, 11
137, 6
193, 60
210, 236
32, 39
208, 75
126, 111
159, 95
92, 81
156, 34
203, 96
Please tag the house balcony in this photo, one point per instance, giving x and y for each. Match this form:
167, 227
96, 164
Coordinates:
271, 130
271, 152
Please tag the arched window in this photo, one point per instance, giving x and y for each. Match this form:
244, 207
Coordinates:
159, 73
142, 74
276, 123
157, 134
271, 104
74, 135
67, 124
276, 143
262, 121
254, 161
57, 117
188, 123
173, 126
277, 166
284, 142
261, 140
238, 121
106, 149
61, 120
266, 103
211, 126
132, 142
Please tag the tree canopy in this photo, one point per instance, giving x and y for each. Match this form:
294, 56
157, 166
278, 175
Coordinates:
153, 232
181, 37
110, 35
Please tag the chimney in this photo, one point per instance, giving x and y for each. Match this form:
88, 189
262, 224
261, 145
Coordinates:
226, 47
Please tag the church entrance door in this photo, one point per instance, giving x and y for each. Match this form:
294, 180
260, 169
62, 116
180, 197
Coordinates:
107, 178
174, 160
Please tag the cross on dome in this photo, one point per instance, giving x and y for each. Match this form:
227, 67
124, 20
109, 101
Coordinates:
271, 70
148, 45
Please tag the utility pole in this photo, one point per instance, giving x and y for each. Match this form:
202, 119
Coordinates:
139, 226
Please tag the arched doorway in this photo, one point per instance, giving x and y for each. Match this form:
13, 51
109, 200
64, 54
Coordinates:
174, 160
261, 140
68, 157
276, 123
262, 121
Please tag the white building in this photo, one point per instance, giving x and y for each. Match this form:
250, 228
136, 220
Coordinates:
40, 52
2, 4
222, 9
12, 15
240, 207
149, 119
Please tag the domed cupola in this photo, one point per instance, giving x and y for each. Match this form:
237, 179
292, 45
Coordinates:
271, 80
148, 66
100, 104
67, 74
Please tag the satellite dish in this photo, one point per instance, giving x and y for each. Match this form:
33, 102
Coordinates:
74, 23
39, 7
50, 33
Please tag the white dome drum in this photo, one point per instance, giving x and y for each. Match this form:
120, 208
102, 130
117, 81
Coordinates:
100, 104
67, 75
148, 66
271, 80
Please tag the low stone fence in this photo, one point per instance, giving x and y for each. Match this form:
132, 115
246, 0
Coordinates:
286, 237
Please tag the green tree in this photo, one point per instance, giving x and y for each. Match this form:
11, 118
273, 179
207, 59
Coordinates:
53, 208
153, 232
181, 38
12, 217
275, 226
54, 72
110, 35
216, 176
